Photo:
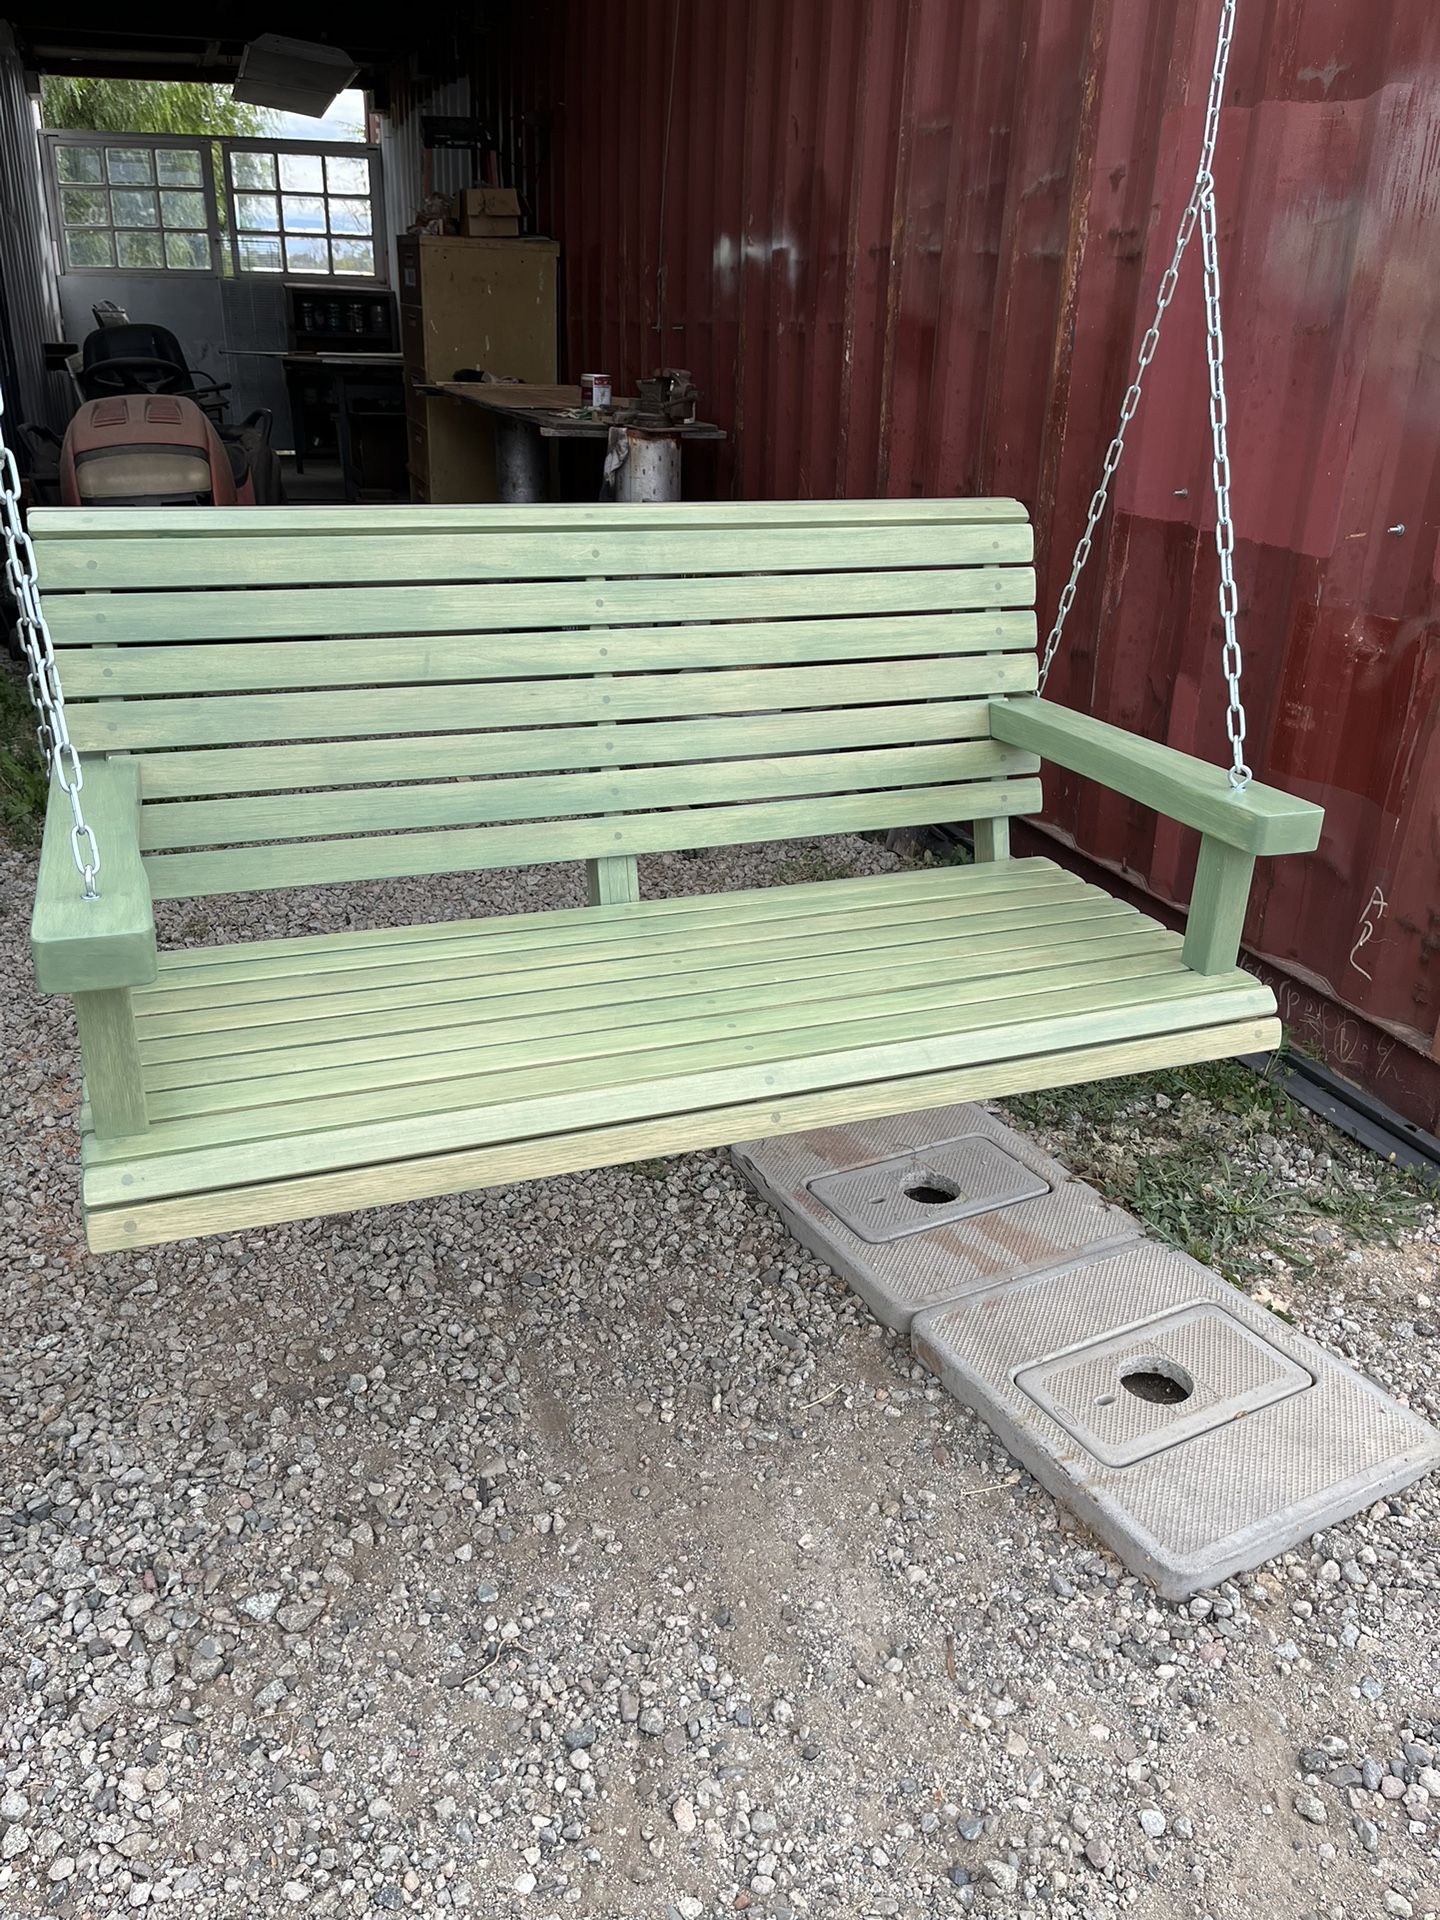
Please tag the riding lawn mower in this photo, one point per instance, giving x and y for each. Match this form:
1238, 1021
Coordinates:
150, 433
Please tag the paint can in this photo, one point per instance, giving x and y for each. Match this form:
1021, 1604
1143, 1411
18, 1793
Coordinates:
595, 390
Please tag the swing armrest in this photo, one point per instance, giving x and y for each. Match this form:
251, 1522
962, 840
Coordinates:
1259, 820
80, 945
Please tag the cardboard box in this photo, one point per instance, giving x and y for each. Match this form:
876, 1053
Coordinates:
489, 226
488, 202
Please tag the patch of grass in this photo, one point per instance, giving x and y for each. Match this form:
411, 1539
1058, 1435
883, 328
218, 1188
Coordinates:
953, 853
23, 781
1223, 1164
1256, 1104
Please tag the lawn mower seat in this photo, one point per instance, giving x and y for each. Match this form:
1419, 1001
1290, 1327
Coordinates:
140, 357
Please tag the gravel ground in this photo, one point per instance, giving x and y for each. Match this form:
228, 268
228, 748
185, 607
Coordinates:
585, 1548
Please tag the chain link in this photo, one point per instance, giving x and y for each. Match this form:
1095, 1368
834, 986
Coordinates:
1199, 213
43, 677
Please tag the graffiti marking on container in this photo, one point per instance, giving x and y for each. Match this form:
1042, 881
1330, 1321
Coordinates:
1374, 911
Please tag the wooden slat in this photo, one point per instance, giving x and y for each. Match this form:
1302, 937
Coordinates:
422, 1081
113, 725
681, 919
516, 1105
108, 941
131, 619
51, 525
273, 666
213, 770
488, 1032
464, 803
235, 1208
110, 1052
1218, 901
242, 1013
473, 849
1258, 819
513, 553
107, 725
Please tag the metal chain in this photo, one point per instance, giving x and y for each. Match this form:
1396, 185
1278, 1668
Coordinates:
1240, 774
43, 675
1199, 212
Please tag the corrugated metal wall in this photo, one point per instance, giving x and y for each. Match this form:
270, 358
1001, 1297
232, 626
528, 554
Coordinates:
29, 305
402, 157
909, 246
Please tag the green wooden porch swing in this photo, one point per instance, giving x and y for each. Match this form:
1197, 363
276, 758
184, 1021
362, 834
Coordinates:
269, 698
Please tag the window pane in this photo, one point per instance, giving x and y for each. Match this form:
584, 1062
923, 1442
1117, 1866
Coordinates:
353, 256
139, 250
91, 249
81, 207
183, 209
135, 209
306, 255
259, 256
345, 174
350, 216
178, 167
189, 251
253, 170
301, 172
131, 166
257, 212
80, 164
304, 213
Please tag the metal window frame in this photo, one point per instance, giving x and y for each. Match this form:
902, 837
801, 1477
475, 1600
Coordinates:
344, 149
191, 142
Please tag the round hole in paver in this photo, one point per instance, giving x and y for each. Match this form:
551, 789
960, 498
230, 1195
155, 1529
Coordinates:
1161, 1382
931, 1191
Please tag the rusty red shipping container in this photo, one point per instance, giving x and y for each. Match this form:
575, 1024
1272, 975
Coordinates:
910, 246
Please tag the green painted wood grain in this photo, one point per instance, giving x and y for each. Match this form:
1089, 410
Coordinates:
233, 1210
859, 893
1217, 906
696, 1021
167, 825
1259, 820
611, 882
234, 526
107, 726
992, 840
214, 770
130, 619
471, 849
602, 1020
245, 1013
513, 553
120, 1173
269, 666
81, 945
110, 1053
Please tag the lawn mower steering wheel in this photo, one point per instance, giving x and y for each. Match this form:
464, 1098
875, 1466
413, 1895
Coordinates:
137, 373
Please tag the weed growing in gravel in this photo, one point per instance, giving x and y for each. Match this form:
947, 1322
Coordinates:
813, 865
1226, 1166
22, 772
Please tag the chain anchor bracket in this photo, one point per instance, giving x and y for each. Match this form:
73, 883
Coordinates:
1199, 212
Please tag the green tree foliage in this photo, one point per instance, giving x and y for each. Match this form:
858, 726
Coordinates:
148, 106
